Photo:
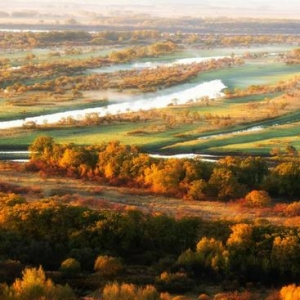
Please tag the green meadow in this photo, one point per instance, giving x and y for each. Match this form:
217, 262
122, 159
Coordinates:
177, 128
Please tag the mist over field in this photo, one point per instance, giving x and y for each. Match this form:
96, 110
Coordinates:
214, 8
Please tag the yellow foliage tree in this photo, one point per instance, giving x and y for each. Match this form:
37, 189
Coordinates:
124, 291
241, 236
258, 199
108, 265
290, 292
35, 286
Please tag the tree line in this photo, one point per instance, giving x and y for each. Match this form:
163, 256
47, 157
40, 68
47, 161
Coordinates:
118, 164
33, 68
30, 40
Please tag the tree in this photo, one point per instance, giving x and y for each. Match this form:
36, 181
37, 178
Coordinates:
108, 265
290, 292
224, 184
242, 258
285, 255
35, 286
70, 267
293, 209
165, 177
258, 199
291, 150
124, 291
284, 180
252, 171
41, 148
211, 254
197, 189
241, 237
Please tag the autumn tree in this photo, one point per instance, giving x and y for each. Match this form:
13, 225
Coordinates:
241, 236
285, 255
108, 265
35, 286
125, 291
290, 292
42, 148
165, 177
197, 190
258, 199
284, 179
212, 254
293, 209
241, 255
224, 185
70, 267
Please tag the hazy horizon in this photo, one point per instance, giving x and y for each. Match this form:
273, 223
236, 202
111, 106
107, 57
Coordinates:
204, 8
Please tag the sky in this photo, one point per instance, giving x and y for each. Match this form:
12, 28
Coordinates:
205, 8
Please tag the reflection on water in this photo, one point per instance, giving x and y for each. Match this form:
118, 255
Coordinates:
211, 89
23, 156
251, 129
14, 155
202, 157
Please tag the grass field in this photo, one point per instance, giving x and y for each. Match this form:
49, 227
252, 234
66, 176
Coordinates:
115, 198
177, 129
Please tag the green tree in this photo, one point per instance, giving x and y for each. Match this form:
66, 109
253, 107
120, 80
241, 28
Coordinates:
284, 180
41, 148
224, 185
252, 171
285, 255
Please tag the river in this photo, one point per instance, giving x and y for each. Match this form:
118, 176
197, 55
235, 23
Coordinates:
23, 156
178, 95
210, 84
211, 89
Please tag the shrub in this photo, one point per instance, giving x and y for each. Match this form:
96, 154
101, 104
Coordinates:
35, 286
124, 291
175, 282
108, 265
293, 209
290, 292
165, 296
236, 296
70, 267
258, 199
203, 297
